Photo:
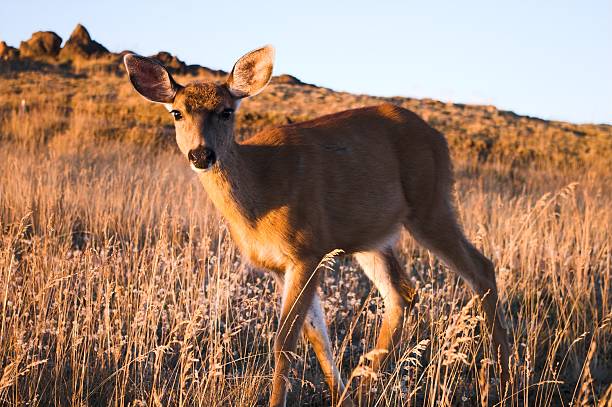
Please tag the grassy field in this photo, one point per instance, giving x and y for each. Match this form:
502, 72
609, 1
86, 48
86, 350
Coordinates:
120, 285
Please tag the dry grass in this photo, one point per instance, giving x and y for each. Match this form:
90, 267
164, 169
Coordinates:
119, 285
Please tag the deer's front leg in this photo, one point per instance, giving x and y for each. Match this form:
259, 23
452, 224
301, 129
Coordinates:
300, 284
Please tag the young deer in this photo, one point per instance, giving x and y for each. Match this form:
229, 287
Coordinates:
292, 194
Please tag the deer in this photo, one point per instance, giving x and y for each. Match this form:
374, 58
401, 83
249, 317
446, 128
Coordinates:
290, 194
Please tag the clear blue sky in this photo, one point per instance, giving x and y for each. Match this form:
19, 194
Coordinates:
551, 59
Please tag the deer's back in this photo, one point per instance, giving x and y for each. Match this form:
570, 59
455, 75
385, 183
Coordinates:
350, 179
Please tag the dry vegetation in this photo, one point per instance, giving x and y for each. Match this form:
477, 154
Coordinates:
119, 285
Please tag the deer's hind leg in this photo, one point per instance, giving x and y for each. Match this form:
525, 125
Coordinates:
441, 234
398, 293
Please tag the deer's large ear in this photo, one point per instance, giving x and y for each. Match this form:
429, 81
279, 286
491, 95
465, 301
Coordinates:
251, 73
150, 78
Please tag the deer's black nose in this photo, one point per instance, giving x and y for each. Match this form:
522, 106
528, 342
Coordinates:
202, 158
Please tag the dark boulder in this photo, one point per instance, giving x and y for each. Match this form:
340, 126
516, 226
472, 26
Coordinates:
42, 44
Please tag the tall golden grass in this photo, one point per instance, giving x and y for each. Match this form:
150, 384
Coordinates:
120, 286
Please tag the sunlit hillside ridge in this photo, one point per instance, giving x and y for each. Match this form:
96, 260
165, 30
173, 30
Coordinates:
84, 76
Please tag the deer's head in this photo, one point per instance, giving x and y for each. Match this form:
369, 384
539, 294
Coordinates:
203, 111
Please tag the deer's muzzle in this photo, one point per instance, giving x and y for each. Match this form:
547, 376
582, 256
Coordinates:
202, 158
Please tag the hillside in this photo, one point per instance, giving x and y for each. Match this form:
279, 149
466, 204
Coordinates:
83, 77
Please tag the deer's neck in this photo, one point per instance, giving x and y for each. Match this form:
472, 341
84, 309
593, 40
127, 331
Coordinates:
231, 185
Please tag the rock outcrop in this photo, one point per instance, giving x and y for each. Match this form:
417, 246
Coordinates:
8, 53
80, 45
173, 63
42, 44
44, 47
176, 66
286, 79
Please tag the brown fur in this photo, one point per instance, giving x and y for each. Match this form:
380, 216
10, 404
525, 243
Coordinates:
198, 96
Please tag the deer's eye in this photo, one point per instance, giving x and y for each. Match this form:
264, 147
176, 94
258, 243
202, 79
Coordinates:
176, 114
226, 114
